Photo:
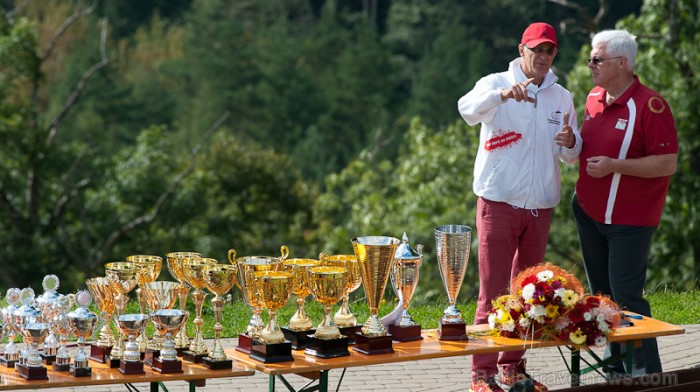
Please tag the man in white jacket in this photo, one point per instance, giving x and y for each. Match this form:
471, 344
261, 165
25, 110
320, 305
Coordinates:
528, 124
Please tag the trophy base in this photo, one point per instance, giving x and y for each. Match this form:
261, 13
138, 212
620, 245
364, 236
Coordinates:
167, 367
47, 359
32, 372
371, 345
190, 356
217, 364
272, 353
350, 332
131, 367
60, 367
298, 338
405, 334
99, 354
150, 355
80, 371
245, 344
113, 363
452, 331
6, 363
331, 348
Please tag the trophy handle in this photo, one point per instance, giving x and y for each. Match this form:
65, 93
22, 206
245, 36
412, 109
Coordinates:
285, 252
232, 256
419, 249
323, 258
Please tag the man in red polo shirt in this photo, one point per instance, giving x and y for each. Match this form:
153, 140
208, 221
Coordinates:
630, 150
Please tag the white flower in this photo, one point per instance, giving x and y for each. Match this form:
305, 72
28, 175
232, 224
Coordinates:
492, 321
509, 326
603, 326
587, 316
559, 292
545, 275
600, 341
537, 312
600, 318
524, 322
528, 291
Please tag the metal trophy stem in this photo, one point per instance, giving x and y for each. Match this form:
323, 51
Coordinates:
174, 263
124, 276
149, 269
453, 244
220, 279
300, 324
404, 279
81, 323
194, 271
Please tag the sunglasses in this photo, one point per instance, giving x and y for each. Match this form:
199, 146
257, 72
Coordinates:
541, 49
598, 60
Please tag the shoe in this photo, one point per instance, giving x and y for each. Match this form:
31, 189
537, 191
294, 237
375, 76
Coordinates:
482, 385
515, 378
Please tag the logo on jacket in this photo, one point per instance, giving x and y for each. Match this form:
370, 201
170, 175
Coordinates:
555, 118
621, 123
502, 139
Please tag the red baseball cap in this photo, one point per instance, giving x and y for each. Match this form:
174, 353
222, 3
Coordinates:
538, 33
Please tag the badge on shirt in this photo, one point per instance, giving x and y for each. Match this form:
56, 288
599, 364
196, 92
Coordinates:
621, 123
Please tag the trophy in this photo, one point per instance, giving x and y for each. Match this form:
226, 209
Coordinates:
453, 243
102, 291
404, 279
81, 322
375, 255
300, 324
220, 279
157, 295
45, 303
132, 325
182, 341
344, 319
273, 289
247, 267
59, 323
34, 334
193, 270
25, 314
167, 322
328, 285
124, 276
149, 269
11, 354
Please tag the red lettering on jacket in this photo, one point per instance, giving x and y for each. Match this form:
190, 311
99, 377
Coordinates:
503, 140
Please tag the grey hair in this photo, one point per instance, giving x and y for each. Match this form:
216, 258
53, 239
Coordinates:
618, 43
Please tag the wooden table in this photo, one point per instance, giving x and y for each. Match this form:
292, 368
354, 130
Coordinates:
431, 347
195, 375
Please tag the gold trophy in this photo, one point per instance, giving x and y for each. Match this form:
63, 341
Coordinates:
174, 259
344, 319
404, 279
158, 295
124, 277
167, 322
453, 243
220, 279
81, 323
193, 269
247, 267
11, 355
132, 325
33, 369
328, 285
273, 288
300, 324
149, 270
375, 255
102, 291
60, 324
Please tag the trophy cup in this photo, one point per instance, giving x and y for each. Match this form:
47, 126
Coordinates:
174, 259
300, 324
404, 279
149, 269
102, 291
132, 325
124, 276
11, 354
375, 255
344, 319
45, 303
25, 314
453, 243
273, 288
247, 267
193, 270
158, 295
60, 325
220, 279
168, 321
34, 334
328, 285
81, 322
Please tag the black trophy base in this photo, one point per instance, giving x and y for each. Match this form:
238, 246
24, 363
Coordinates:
60, 367
371, 345
99, 354
331, 348
350, 332
167, 366
113, 363
150, 355
217, 364
452, 331
80, 372
245, 344
32, 372
189, 356
131, 367
272, 353
405, 334
297, 338
47, 359
181, 350
9, 364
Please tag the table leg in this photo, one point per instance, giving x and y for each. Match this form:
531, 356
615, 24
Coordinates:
575, 367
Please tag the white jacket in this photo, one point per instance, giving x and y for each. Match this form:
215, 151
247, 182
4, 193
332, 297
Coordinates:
518, 159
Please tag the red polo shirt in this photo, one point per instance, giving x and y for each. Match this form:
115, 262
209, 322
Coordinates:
639, 123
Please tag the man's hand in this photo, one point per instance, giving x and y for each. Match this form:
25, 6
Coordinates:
518, 92
599, 167
566, 137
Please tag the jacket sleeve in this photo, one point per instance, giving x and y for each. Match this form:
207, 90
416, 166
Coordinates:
570, 155
480, 104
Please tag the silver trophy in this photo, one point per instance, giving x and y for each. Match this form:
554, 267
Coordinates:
11, 355
82, 323
404, 280
45, 303
60, 325
34, 334
132, 325
453, 244
25, 314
